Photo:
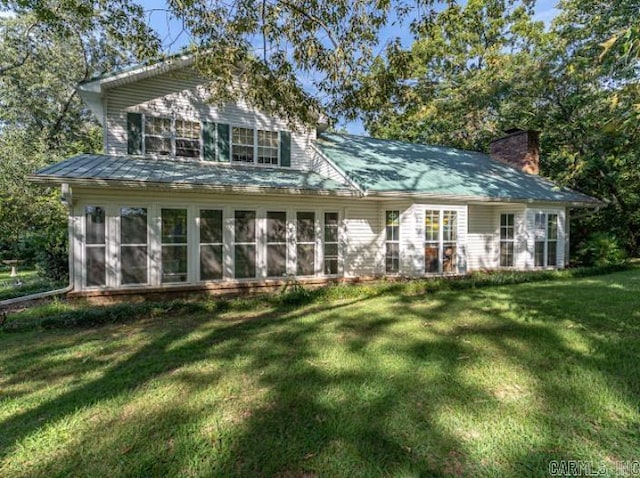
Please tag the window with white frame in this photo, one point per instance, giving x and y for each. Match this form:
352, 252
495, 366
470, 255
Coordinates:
268, 147
174, 245
166, 136
211, 244
276, 243
95, 246
441, 241
546, 239
157, 136
507, 239
305, 243
449, 241
392, 243
330, 237
134, 249
242, 145
244, 244
187, 138
432, 242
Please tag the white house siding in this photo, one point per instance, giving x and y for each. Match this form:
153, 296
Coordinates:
183, 95
358, 236
482, 239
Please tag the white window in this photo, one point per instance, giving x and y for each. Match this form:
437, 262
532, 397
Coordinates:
330, 237
242, 145
211, 244
507, 239
134, 250
187, 139
174, 245
165, 136
546, 240
157, 136
276, 243
245, 244
305, 243
95, 246
441, 241
392, 243
267, 147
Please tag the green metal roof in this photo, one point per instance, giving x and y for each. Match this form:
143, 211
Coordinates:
395, 166
107, 169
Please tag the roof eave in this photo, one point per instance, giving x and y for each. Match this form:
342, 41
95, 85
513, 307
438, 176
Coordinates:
478, 199
255, 190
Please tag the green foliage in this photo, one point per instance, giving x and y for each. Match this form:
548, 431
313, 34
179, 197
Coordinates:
52, 256
476, 70
600, 249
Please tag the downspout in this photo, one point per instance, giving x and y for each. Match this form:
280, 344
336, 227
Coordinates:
66, 199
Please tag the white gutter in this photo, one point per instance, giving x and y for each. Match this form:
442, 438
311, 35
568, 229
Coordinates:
264, 190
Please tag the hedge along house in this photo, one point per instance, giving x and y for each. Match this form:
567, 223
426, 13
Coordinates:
189, 195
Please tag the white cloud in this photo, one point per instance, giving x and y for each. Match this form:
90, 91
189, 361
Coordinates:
7, 14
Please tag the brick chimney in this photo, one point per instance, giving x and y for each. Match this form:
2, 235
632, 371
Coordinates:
520, 149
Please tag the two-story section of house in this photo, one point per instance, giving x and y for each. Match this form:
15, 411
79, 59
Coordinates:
190, 194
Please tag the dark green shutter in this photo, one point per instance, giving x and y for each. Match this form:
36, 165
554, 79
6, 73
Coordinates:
223, 142
134, 133
285, 148
209, 141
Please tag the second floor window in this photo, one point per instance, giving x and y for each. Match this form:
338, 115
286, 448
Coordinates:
169, 137
254, 146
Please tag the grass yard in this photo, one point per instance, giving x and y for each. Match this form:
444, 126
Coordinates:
495, 381
27, 282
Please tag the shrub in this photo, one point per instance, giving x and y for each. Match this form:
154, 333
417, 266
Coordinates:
600, 249
52, 258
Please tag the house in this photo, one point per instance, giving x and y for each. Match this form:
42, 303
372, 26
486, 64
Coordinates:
190, 195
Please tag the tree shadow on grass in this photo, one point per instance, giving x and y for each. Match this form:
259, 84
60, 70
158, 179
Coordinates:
356, 391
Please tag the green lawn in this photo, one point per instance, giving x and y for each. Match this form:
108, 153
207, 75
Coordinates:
27, 282
495, 381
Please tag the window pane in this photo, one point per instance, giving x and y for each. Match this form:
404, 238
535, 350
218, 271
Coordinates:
268, 138
552, 230
306, 259
245, 261
392, 225
157, 145
174, 263
211, 262
392, 256
330, 266
331, 249
276, 226
449, 263
188, 148
174, 226
431, 258
276, 260
552, 253
506, 254
187, 129
245, 226
305, 230
210, 226
95, 262
133, 225
134, 264
331, 227
242, 144
539, 254
95, 225
157, 126
432, 225
449, 225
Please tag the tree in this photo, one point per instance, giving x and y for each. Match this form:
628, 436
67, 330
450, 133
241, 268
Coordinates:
42, 121
477, 70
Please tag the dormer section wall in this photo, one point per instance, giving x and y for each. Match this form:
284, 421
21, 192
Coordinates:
174, 115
